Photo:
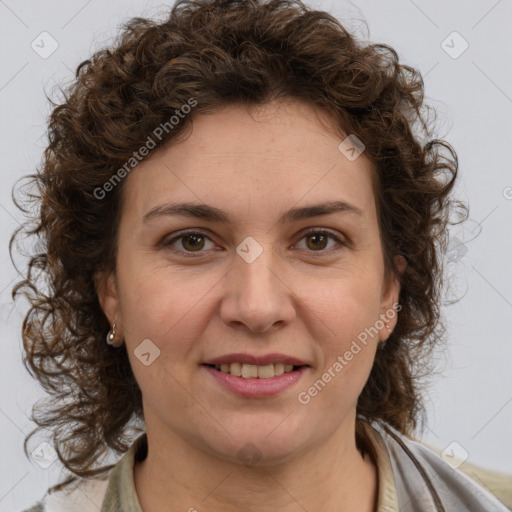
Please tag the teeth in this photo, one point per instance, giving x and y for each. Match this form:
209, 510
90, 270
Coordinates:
234, 369
251, 371
279, 369
264, 372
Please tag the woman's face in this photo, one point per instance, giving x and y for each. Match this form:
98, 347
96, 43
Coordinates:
250, 284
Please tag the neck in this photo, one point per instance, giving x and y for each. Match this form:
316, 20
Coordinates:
333, 476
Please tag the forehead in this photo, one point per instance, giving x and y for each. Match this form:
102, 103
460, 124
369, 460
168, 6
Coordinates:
257, 160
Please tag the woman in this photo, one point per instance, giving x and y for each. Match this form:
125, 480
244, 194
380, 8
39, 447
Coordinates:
236, 198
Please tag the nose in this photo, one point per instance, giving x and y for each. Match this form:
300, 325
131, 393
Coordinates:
256, 295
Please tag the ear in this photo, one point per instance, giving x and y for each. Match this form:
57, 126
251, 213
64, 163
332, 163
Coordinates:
106, 289
390, 296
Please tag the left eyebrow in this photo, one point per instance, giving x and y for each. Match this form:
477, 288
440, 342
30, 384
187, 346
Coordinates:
317, 210
208, 212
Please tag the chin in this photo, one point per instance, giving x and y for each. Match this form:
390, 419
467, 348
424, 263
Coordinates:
259, 445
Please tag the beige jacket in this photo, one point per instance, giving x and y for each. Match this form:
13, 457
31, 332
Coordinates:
401, 486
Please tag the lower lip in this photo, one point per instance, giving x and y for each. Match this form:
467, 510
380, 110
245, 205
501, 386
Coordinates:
256, 388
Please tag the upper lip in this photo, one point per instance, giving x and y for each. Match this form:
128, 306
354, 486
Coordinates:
256, 360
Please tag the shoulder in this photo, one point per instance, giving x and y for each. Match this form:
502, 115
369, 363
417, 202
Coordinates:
497, 483
82, 496
115, 490
424, 475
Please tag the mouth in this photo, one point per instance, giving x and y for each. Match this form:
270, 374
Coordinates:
252, 371
255, 381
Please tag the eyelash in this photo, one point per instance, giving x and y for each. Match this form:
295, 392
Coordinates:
192, 254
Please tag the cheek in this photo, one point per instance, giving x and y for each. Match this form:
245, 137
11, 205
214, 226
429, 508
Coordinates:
162, 302
347, 355
169, 310
347, 305
345, 313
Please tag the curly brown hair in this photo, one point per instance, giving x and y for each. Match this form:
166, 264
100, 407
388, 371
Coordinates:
219, 52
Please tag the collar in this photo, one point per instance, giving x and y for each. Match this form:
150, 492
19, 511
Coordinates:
121, 495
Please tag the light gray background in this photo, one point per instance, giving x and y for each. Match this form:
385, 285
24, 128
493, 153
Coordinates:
470, 401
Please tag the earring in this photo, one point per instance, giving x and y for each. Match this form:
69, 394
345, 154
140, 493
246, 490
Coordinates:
111, 335
382, 344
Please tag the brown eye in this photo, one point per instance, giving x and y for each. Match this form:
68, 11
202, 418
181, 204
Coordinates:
192, 242
317, 240
189, 242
